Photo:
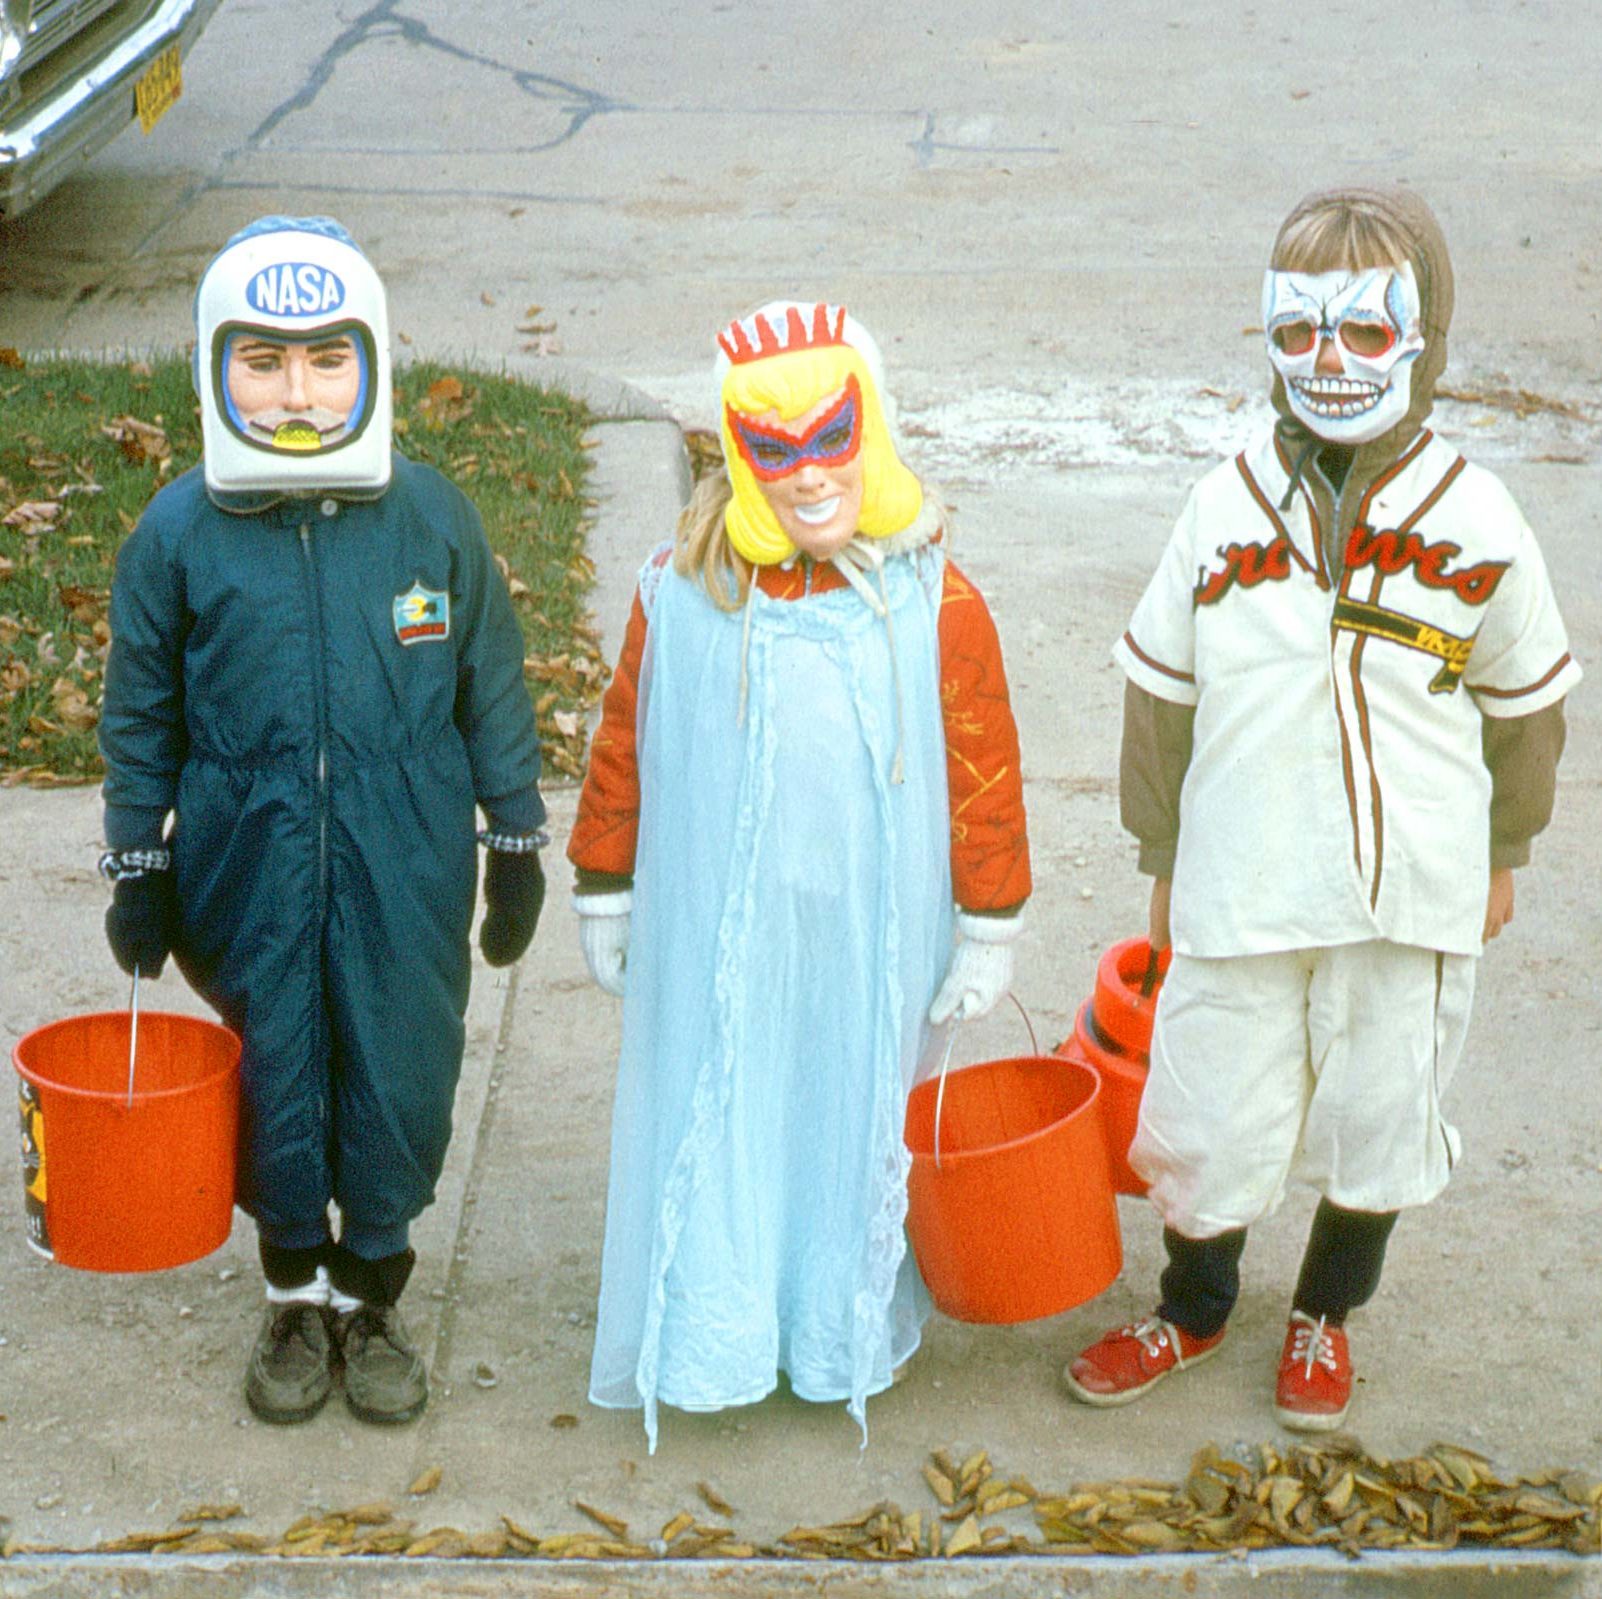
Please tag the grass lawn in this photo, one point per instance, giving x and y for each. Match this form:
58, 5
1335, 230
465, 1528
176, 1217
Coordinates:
85, 445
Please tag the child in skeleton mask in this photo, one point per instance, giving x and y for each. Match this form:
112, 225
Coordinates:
1342, 723
806, 755
316, 670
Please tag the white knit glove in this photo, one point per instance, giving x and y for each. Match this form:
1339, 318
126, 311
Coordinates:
981, 968
604, 936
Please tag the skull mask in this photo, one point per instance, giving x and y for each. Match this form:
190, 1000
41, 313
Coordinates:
1371, 320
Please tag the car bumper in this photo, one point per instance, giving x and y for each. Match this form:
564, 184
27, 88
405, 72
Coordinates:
49, 138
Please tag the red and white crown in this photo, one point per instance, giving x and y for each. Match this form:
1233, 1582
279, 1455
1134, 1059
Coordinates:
780, 326
784, 325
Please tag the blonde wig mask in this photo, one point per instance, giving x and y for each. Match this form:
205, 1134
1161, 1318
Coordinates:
786, 357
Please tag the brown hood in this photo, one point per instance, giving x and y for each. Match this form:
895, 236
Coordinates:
1432, 267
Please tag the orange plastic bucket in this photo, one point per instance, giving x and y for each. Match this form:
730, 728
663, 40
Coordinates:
1017, 1218
1123, 1081
1123, 1007
120, 1180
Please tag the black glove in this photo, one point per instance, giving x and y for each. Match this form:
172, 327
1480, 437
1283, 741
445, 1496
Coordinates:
514, 891
143, 922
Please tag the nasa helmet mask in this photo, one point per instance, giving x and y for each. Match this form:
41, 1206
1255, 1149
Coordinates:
300, 282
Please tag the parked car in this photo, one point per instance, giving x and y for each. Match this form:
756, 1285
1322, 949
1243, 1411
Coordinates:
75, 73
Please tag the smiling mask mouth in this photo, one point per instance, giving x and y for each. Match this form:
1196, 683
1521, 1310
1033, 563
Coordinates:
817, 514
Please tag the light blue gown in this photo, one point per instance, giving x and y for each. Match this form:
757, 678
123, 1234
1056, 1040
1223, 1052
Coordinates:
792, 920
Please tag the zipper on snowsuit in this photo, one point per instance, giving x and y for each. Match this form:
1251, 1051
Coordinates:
320, 691
320, 699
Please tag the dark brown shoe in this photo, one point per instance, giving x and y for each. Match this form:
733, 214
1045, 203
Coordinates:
385, 1379
290, 1374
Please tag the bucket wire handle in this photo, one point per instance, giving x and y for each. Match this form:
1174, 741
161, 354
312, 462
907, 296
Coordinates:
940, 1092
1034, 1043
945, 1062
133, 1031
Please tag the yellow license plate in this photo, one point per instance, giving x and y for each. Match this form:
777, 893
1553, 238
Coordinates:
162, 83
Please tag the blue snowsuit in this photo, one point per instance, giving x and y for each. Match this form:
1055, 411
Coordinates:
321, 689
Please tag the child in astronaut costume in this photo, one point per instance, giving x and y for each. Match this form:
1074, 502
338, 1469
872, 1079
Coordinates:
800, 848
316, 671
1342, 723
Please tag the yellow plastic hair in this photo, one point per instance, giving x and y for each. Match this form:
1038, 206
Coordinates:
791, 383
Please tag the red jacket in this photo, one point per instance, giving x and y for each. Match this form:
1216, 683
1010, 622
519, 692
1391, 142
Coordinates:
989, 841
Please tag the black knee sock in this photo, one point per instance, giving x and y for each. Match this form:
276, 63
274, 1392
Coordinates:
1201, 1281
291, 1268
374, 1282
1342, 1264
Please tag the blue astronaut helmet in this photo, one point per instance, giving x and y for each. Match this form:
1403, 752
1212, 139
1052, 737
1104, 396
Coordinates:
292, 362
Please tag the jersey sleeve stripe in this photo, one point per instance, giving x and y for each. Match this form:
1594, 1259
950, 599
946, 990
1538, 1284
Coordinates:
1156, 665
1531, 688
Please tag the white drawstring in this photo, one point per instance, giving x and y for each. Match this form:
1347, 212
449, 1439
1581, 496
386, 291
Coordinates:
854, 560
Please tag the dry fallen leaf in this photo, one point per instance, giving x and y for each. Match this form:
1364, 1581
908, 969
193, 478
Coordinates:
139, 441
212, 1513
72, 705
33, 516
428, 1482
966, 1537
613, 1524
713, 1500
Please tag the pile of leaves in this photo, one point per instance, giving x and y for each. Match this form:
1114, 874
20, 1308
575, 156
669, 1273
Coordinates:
1332, 1494
86, 445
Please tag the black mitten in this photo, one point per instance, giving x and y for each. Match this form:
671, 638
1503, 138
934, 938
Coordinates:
143, 921
514, 891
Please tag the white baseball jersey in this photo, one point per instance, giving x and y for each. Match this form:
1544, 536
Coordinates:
1337, 790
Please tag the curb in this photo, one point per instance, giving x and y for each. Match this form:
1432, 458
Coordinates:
1281, 1573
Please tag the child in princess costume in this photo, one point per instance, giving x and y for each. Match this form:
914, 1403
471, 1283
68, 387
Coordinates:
800, 847
315, 671
1342, 724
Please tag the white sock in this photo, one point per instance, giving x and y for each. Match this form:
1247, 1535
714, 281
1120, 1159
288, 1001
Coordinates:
315, 1292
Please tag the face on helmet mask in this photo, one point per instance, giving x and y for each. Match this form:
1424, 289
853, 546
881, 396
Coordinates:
295, 395
1345, 343
292, 363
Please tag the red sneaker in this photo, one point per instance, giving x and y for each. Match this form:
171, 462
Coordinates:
1315, 1376
1129, 1360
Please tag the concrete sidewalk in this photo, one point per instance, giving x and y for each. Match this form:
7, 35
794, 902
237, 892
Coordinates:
121, 1396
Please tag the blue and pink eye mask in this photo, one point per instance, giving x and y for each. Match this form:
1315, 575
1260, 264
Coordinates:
832, 440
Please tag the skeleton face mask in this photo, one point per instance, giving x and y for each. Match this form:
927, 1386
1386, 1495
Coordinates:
1368, 322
